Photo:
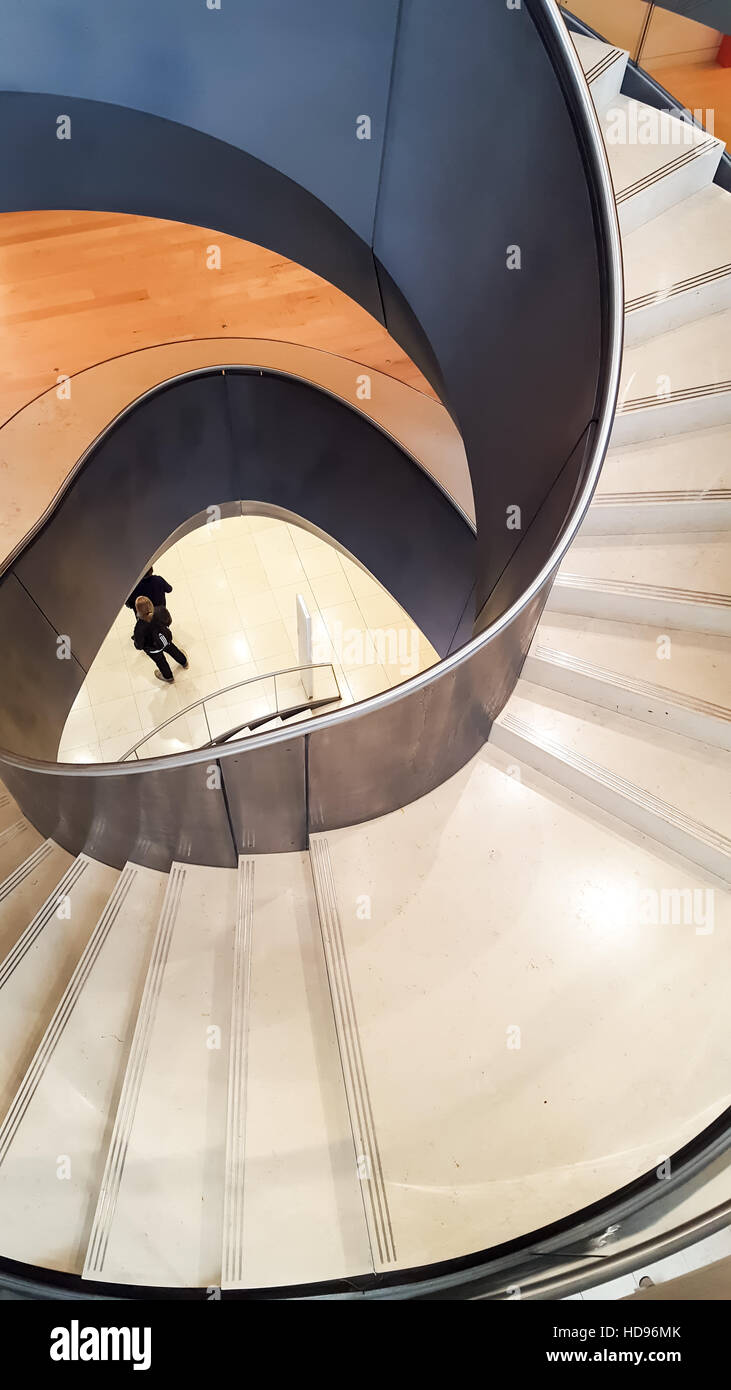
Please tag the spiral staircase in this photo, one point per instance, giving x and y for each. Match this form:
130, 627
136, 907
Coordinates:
441, 1030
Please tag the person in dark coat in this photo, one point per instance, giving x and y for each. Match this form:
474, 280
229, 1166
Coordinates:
152, 635
151, 586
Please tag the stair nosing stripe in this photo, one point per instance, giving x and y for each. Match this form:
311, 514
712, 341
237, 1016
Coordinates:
659, 296
356, 1083
674, 166
635, 589
669, 497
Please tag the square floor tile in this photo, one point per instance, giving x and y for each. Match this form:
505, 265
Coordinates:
330, 589
269, 638
117, 717
232, 648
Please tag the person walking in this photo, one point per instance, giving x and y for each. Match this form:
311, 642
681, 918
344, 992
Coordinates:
152, 635
151, 586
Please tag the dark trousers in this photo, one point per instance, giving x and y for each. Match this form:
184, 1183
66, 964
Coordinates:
162, 664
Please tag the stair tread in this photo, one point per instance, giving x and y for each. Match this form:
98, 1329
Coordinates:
651, 759
693, 356
36, 971
633, 161
603, 64
301, 1200
66, 1101
690, 240
449, 938
698, 666
159, 1215
25, 891
18, 840
687, 563
696, 461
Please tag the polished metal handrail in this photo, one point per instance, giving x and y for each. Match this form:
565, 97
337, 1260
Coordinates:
250, 680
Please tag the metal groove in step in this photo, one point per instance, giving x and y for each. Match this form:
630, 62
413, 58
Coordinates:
665, 170
368, 1158
41, 919
631, 804
640, 499
132, 1085
687, 393
64, 1009
11, 831
545, 666
605, 62
233, 1202
634, 589
652, 297
11, 882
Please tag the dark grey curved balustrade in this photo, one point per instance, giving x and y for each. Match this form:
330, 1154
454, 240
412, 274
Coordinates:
479, 224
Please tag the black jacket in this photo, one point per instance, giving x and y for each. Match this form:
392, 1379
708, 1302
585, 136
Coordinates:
151, 586
146, 636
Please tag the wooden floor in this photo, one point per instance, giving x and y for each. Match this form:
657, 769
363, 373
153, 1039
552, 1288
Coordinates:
704, 85
79, 287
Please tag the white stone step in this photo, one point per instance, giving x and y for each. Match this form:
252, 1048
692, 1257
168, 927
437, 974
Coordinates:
667, 787
9, 809
159, 1216
18, 840
676, 381
38, 967
55, 1136
656, 159
699, 563
694, 664
604, 68
558, 670
26, 890
678, 266
679, 581
663, 512
500, 946
681, 482
294, 1208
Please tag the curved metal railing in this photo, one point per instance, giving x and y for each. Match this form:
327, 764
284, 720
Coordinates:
213, 737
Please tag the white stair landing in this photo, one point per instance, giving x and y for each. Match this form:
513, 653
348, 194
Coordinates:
37, 969
294, 1205
54, 1139
159, 1215
679, 380
512, 944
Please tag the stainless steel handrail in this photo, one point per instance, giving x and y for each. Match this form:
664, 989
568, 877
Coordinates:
238, 685
572, 73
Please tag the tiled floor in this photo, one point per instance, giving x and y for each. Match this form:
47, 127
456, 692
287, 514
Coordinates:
235, 587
